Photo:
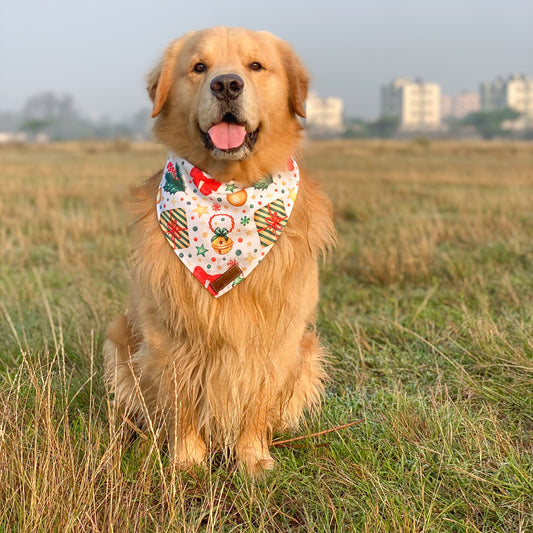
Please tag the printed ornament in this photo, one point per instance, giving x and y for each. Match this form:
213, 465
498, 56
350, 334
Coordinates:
237, 198
220, 231
220, 242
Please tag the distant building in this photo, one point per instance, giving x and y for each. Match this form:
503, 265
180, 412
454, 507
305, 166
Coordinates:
12, 137
41, 138
515, 92
464, 104
460, 105
324, 113
446, 106
414, 103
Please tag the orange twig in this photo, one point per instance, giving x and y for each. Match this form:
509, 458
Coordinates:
136, 429
324, 432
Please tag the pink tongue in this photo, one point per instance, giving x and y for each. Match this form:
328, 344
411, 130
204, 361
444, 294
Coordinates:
226, 136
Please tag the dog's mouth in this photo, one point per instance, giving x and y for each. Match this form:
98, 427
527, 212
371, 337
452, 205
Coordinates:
229, 137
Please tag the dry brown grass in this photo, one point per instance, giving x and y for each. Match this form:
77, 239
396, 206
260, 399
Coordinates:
412, 199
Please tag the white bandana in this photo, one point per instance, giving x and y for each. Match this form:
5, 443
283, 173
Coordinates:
220, 231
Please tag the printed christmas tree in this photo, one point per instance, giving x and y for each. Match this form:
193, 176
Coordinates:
264, 183
173, 179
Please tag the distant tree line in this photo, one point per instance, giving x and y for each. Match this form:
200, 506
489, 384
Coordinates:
491, 124
383, 128
486, 124
57, 117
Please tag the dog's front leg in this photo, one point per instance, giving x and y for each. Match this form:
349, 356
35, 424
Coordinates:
186, 447
252, 447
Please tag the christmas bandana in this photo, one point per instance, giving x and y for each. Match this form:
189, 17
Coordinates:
220, 231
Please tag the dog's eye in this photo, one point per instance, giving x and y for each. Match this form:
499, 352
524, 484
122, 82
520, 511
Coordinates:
256, 66
199, 67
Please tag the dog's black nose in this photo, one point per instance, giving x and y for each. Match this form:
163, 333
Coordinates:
227, 86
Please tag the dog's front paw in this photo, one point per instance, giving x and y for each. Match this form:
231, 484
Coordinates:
255, 461
188, 452
258, 468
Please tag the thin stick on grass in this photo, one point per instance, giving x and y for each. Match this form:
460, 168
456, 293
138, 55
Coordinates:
134, 427
318, 434
274, 443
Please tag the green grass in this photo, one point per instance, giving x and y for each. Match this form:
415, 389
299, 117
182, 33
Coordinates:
426, 310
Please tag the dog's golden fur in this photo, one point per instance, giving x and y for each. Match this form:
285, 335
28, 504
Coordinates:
227, 372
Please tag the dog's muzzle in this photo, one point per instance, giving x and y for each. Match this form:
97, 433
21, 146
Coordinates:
229, 136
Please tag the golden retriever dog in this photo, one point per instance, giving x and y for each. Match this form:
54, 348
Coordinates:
207, 367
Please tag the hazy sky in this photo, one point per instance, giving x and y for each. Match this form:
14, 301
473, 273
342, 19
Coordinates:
100, 51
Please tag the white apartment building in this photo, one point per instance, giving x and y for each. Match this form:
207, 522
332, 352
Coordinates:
324, 113
515, 92
414, 103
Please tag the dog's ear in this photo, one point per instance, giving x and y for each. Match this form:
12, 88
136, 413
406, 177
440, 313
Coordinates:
297, 77
160, 79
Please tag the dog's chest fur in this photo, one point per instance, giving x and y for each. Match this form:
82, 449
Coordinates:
224, 350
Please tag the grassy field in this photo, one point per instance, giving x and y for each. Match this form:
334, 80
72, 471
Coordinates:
426, 309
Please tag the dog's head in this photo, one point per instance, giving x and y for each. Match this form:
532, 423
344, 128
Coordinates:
227, 99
